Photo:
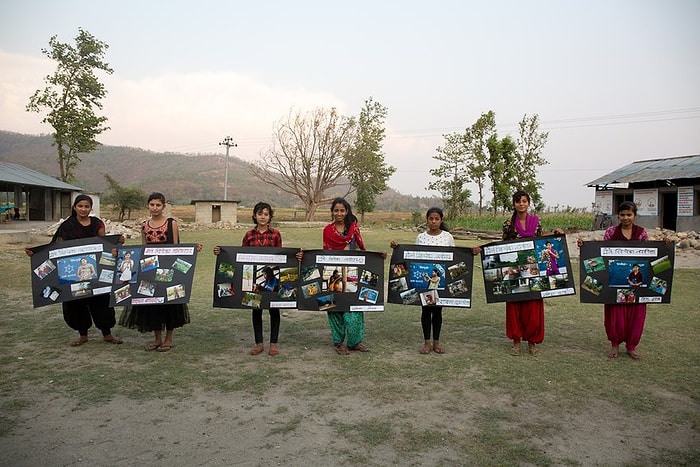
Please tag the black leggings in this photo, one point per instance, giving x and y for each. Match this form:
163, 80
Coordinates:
431, 315
274, 325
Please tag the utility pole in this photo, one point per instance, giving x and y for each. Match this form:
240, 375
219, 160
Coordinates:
228, 142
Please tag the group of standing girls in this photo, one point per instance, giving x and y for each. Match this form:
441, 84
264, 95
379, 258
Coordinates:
624, 323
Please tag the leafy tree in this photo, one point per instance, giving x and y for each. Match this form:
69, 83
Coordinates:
309, 155
503, 171
476, 140
366, 168
530, 145
452, 175
71, 96
123, 199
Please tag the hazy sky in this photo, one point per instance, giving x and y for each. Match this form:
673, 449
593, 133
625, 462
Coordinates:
613, 81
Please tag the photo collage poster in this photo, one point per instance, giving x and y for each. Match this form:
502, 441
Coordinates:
343, 280
158, 274
617, 272
72, 269
431, 275
256, 277
527, 269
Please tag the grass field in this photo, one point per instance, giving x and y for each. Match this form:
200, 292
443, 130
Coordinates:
475, 405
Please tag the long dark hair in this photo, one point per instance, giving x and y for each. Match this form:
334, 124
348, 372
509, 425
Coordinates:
259, 207
439, 212
516, 197
349, 217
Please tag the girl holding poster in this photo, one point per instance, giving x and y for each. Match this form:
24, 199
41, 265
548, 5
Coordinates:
263, 235
624, 322
525, 319
348, 327
153, 318
431, 315
80, 314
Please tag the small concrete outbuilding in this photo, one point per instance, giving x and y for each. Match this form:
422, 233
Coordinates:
213, 211
666, 192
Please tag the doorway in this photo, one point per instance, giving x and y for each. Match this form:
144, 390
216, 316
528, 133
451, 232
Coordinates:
669, 210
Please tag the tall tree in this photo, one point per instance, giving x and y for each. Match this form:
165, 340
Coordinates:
123, 199
476, 139
503, 171
71, 96
452, 175
366, 168
309, 155
530, 145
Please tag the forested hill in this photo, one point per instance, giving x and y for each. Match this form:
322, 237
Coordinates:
181, 177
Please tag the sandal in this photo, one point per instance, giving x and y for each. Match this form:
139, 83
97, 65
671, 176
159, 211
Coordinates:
257, 350
614, 352
150, 347
533, 349
515, 350
340, 349
634, 354
113, 339
165, 348
79, 341
437, 349
425, 350
360, 348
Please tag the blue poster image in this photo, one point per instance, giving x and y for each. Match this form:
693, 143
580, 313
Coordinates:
628, 273
427, 276
77, 268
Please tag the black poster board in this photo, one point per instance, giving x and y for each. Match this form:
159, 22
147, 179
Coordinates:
617, 272
341, 280
431, 275
524, 269
153, 274
256, 277
72, 269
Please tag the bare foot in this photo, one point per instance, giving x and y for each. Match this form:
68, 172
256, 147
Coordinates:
614, 352
79, 341
153, 346
342, 350
426, 349
437, 348
634, 354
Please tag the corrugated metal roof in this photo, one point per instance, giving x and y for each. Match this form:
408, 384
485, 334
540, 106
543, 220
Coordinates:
19, 175
656, 169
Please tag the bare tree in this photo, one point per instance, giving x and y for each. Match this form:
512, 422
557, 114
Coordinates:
308, 156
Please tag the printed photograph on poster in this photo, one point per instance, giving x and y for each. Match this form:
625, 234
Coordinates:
431, 275
126, 261
617, 272
337, 281
254, 277
71, 269
527, 269
153, 274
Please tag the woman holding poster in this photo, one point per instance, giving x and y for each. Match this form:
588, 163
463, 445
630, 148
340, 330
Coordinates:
625, 322
348, 327
153, 318
525, 319
82, 313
